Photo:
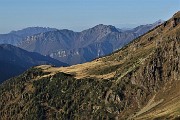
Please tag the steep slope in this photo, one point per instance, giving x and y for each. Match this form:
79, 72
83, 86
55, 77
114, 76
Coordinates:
79, 47
16, 37
14, 61
139, 81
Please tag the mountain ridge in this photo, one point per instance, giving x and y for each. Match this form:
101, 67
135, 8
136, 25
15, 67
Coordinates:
72, 47
15, 37
139, 81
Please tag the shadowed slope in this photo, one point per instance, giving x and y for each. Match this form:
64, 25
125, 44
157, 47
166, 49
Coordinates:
14, 61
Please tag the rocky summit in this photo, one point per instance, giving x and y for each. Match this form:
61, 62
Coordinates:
138, 82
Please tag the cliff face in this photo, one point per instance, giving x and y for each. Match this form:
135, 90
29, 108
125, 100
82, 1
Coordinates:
140, 81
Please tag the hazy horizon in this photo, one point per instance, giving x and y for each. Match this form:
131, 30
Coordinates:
122, 26
78, 15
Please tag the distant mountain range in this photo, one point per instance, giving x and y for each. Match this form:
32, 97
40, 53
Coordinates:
79, 47
14, 37
14, 61
74, 47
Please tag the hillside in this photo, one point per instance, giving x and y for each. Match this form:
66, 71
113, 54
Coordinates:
140, 81
14, 61
79, 47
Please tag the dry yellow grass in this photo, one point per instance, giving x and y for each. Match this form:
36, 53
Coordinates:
82, 70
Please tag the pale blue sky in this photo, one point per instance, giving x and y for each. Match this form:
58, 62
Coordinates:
81, 14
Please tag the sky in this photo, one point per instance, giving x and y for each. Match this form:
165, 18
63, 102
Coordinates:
78, 15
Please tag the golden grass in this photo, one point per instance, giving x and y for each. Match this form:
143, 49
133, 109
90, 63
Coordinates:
80, 70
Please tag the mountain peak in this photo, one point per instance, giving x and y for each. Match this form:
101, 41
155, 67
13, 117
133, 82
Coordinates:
105, 28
